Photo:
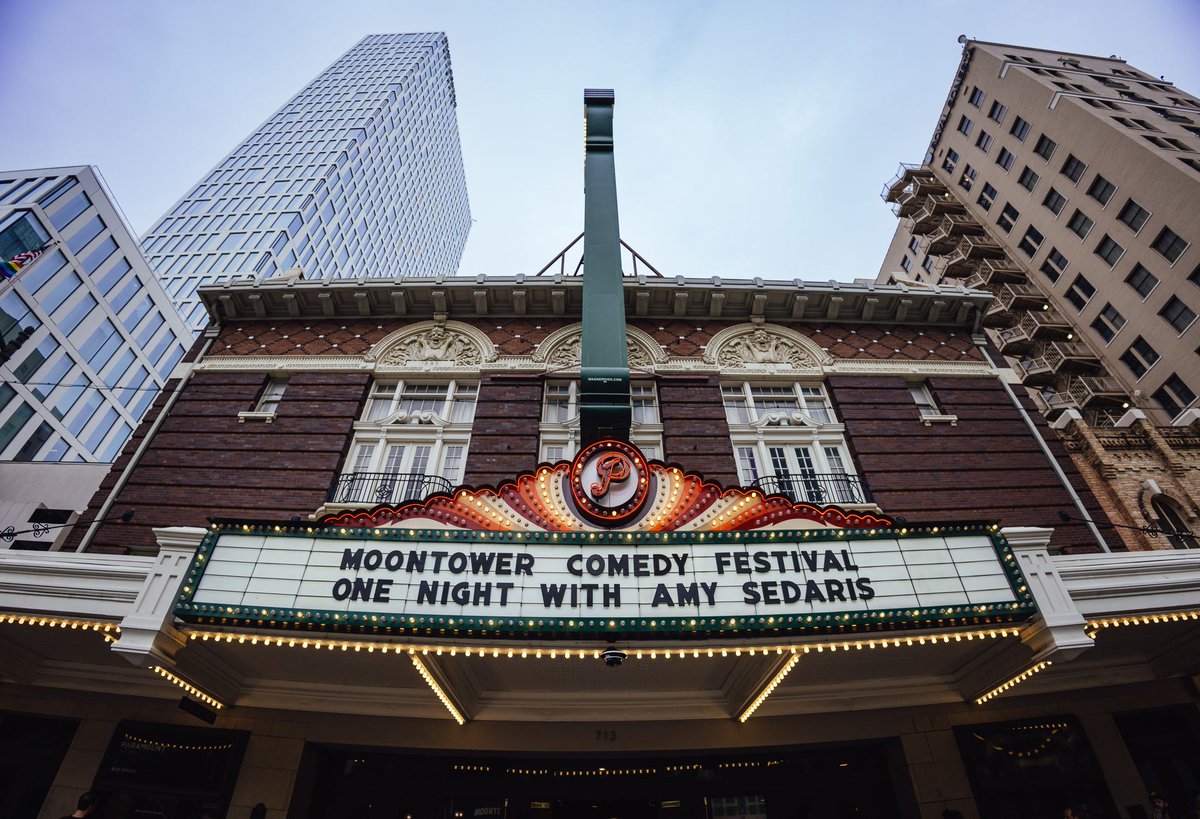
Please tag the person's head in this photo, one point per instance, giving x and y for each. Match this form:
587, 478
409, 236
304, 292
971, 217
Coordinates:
86, 803
259, 811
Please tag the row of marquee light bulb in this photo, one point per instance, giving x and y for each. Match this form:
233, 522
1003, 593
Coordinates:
431, 534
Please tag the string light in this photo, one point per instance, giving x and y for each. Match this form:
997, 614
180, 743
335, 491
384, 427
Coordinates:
188, 687
642, 652
59, 622
437, 689
1094, 626
771, 686
1015, 681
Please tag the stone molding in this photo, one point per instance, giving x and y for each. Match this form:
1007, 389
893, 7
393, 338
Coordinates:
765, 348
428, 344
561, 348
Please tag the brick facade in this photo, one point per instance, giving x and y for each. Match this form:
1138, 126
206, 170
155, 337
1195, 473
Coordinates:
203, 462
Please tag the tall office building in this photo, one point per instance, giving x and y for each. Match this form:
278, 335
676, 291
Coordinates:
1068, 185
88, 337
359, 174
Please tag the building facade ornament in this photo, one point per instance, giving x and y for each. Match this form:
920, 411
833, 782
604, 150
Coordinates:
562, 348
765, 347
450, 344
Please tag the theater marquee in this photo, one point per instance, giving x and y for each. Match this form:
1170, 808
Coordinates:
559, 584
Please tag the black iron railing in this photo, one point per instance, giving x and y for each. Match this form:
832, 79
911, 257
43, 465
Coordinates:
815, 487
385, 487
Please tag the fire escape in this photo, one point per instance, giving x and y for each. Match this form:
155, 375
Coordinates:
1056, 364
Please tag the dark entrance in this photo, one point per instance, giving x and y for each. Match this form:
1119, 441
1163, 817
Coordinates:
1034, 769
841, 782
1165, 746
31, 751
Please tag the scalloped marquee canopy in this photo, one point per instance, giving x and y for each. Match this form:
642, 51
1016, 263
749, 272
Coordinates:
609, 486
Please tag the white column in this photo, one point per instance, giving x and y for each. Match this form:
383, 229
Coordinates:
148, 634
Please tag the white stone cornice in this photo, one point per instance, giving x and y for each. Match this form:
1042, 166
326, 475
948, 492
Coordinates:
283, 363
1127, 582
907, 367
90, 586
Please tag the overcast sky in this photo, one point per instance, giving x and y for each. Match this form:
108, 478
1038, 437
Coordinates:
752, 138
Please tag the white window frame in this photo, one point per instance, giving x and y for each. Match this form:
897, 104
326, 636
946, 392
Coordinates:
435, 440
758, 432
558, 436
267, 404
927, 407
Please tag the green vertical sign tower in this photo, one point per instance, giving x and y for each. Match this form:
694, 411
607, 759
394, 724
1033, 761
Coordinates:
604, 357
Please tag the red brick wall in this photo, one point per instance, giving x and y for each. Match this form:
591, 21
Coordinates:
695, 433
504, 437
987, 467
203, 463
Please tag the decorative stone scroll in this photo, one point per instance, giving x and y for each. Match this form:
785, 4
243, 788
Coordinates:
436, 345
561, 348
765, 347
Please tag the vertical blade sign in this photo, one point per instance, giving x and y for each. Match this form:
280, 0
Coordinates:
604, 359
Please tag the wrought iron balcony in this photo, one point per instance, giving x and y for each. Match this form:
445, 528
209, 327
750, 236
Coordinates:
816, 488
371, 488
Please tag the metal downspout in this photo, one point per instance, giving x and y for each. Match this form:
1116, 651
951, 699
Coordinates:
1062, 476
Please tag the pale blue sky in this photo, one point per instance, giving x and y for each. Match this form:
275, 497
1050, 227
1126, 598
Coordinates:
752, 137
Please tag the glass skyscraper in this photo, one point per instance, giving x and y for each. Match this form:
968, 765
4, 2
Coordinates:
88, 338
359, 174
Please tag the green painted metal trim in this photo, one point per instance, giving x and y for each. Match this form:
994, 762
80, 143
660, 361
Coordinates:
604, 408
748, 626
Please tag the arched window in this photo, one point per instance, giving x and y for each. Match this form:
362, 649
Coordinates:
1171, 521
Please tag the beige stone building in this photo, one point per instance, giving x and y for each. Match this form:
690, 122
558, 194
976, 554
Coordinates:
1068, 185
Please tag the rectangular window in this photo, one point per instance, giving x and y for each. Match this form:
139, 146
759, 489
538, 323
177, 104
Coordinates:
906, 264
1073, 168
1109, 251
927, 265
1028, 179
984, 141
1031, 241
1177, 314
1080, 292
914, 244
923, 398
271, 396
1055, 264
950, 160
1080, 224
1054, 201
1008, 217
1101, 189
643, 403
1169, 245
1140, 357
997, 112
976, 97
559, 406
1019, 129
986, 196
72, 208
1044, 147
1133, 215
1108, 323
965, 125
1005, 159
1141, 280
1174, 395
968, 178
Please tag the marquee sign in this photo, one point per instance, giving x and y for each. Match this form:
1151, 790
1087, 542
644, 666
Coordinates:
609, 486
588, 584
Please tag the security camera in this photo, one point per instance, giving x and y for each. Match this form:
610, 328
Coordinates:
612, 656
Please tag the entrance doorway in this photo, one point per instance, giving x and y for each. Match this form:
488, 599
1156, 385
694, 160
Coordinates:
836, 782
